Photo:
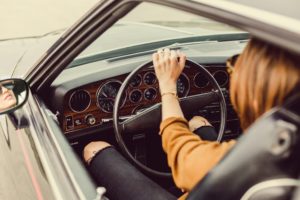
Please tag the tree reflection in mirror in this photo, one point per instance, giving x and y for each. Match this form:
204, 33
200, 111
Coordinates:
13, 94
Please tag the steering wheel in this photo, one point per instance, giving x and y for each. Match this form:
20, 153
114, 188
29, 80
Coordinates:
151, 117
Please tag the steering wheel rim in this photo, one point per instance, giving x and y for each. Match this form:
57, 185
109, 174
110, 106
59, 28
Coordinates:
118, 128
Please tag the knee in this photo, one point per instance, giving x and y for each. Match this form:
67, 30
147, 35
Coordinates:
92, 148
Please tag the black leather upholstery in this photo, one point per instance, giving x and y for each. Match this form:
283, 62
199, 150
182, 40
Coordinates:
269, 149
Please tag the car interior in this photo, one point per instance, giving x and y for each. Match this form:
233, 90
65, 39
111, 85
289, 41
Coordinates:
85, 95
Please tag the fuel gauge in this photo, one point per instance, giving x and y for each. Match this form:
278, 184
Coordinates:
149, 78
150, 94
135, 96
136, 81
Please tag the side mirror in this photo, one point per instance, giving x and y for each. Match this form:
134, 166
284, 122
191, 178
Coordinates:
13, 94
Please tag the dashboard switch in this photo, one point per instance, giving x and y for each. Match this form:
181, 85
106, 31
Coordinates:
69, 122
90, 120
77, 122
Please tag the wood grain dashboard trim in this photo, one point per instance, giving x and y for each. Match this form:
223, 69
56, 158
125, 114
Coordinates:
77, 120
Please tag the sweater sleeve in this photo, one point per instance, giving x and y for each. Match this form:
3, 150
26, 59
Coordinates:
189, 157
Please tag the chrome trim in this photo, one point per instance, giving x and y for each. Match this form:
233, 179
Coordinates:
269, 184
100, 193
125, 117
195, 78
74, 131
99, 89
149, 72
221, 71
154, 96
189, 84
139, 83
86, 118
129, 97
44, 141
72, 96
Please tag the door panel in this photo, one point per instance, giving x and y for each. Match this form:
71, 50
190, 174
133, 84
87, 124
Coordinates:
21, 172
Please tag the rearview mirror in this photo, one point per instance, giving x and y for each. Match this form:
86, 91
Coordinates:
13, 94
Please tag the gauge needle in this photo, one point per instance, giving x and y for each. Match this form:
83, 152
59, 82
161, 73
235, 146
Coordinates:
104, 94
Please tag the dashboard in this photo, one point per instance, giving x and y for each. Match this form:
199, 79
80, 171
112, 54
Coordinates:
91, 105
83, 97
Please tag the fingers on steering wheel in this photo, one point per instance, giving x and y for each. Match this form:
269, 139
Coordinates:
182, 59
160, 56
155, 58
166, 54
173, 57
168, 58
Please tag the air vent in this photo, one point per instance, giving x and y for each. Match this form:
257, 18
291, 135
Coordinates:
79, 101
221, 77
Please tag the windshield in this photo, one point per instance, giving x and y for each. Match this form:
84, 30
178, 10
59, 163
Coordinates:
143, 29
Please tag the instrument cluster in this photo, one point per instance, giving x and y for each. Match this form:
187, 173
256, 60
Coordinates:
92, 104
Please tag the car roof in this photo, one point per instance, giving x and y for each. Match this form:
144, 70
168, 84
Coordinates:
275, 21
272, 12
288, 8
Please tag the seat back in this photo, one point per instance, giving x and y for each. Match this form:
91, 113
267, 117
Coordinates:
268, 150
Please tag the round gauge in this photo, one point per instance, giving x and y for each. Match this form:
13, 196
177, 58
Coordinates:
221, 77
79, 101
149, 78
136, 81
106, 96
150, 94
200, 80
183, 85
135, 96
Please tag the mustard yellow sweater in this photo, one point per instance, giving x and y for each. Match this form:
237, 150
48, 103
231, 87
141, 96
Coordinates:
189, 157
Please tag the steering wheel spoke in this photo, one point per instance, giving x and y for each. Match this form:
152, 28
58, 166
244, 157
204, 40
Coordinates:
151, 117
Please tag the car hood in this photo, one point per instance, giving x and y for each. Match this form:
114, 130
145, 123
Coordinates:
19, 55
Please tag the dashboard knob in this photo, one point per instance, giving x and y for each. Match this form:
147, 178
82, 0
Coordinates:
90, 120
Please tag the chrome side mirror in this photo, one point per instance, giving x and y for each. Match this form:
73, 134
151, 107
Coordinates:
13, 94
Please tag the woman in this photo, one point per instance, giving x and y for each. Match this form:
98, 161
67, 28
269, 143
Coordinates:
255, 87
7, 96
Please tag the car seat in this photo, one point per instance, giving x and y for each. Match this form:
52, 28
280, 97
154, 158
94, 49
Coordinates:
264, 164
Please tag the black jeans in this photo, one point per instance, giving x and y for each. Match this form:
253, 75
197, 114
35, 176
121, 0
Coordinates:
122, 180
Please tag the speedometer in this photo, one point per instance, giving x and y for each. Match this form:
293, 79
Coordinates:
106, 95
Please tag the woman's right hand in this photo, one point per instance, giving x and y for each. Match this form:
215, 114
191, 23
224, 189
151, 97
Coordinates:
197, 122
168, 66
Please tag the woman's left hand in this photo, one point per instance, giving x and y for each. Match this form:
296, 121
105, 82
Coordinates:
168, 66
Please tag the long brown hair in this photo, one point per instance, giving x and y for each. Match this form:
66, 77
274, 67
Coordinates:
263, 76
